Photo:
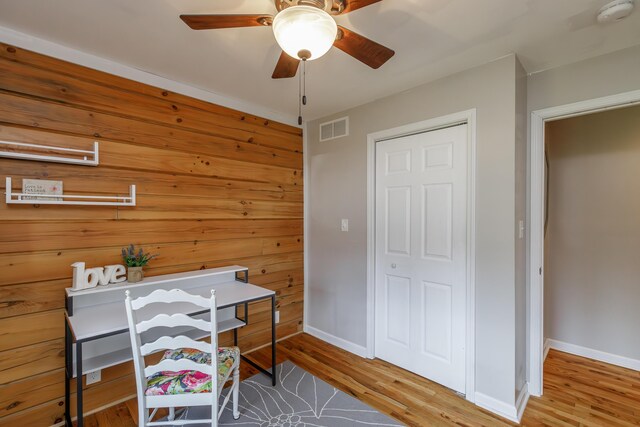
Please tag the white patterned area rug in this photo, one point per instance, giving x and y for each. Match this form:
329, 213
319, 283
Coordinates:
299, 400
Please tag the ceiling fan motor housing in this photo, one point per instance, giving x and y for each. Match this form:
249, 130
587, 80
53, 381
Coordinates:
333, 7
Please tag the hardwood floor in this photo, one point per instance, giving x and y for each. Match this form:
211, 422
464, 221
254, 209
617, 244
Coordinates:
585, 392
578, 391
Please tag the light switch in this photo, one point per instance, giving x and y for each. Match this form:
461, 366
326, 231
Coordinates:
344, 225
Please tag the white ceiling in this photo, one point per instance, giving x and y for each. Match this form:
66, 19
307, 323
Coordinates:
432, 38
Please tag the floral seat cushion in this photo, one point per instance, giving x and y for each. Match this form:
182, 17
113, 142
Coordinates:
182, 382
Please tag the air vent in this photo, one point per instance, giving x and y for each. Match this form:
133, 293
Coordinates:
334, 129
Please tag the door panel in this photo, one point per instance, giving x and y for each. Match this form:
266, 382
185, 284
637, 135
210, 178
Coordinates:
398, 162
421, 251
398, 296
437, 218
438, 156
398, 202
436, 300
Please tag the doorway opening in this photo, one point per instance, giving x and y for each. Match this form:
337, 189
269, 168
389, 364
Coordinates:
584, 200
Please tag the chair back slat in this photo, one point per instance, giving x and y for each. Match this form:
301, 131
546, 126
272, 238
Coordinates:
178, 365
173, 343
138, 330
173, 321
170, 296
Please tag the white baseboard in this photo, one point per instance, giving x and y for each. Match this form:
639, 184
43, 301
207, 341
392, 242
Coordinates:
625, 362
547, 346
522, 400
338, 342
498, 407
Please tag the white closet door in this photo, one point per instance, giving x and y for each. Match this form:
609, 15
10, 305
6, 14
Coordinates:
421, 250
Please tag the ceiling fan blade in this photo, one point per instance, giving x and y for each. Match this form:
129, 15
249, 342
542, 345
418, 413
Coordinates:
364, 50
212, 22
286, 67
351, 5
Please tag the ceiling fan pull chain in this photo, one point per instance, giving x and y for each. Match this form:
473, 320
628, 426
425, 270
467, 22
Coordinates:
300, 100
304, 82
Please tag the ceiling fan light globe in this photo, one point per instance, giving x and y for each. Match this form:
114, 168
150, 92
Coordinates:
304, 28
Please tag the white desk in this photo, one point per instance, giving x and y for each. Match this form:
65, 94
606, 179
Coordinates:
96, 332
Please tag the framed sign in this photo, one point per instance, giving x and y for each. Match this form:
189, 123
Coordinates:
41, 186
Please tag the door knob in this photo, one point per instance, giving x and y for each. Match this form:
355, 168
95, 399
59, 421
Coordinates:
393, 266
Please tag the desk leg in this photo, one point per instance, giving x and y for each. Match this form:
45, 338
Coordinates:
79, 412
273, 373
235, 330
273, 341
68, 373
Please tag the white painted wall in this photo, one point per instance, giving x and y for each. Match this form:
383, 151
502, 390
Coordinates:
604, 75
337, 189
592, 273
521, 215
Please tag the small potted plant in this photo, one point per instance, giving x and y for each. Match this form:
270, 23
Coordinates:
135, 261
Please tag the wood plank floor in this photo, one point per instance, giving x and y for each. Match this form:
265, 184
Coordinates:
578, 391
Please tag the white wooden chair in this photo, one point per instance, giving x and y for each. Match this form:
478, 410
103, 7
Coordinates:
184, 375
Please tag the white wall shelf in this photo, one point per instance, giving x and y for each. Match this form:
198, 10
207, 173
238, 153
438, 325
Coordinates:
12, 149
68, 199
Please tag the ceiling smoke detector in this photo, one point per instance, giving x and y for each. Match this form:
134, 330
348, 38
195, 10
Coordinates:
615, 11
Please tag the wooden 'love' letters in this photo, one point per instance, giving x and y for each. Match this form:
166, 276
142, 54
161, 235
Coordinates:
92, 277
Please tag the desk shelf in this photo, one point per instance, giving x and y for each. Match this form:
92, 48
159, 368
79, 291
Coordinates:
108, 360
152, 282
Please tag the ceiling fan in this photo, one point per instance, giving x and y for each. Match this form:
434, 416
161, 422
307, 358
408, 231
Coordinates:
305, 30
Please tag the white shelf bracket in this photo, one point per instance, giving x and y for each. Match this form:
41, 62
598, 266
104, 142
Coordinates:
72, 199
89, 157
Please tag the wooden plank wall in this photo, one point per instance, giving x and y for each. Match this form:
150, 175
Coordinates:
215, 187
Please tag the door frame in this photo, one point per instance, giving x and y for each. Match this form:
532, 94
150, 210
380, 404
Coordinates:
467, 117
535, 260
